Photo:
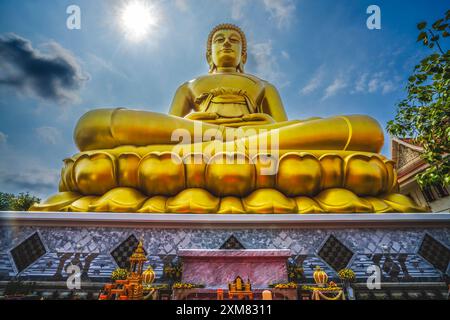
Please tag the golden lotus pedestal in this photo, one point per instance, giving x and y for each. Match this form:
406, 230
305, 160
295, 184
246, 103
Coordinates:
143, 181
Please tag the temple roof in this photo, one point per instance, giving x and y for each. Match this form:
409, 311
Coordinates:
406, 154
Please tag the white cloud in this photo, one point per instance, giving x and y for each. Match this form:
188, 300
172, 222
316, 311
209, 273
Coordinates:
3, 138
237, 9
25, 172
282, 11
388, 86
373, 83
285, 55
95, 62
360, 85
48, 135
36, 179
337, 85
182, 5
315, 81
266, 63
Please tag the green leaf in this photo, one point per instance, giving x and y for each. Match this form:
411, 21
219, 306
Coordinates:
421, 25
421, 36
437, 23
442, 27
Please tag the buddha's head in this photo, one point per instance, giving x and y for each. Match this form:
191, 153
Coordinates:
226, 48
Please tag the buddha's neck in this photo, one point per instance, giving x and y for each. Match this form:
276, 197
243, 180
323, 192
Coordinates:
225, 70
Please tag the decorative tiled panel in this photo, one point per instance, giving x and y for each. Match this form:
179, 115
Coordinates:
232, 243
336, 254
435, 253
123, 251
395, 267
91, 248
26, 253
6, 268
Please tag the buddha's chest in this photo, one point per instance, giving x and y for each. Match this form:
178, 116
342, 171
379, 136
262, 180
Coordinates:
226, 95
251, 87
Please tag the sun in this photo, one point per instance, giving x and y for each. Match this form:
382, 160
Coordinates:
137, 19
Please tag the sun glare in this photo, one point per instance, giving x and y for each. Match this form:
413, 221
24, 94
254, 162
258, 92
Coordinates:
137, 19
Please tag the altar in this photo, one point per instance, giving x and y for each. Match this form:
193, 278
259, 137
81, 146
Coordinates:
215, 268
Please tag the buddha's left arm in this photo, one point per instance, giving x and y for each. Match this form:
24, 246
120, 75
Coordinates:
272, 104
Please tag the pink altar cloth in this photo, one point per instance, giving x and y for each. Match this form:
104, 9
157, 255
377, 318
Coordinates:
216, 268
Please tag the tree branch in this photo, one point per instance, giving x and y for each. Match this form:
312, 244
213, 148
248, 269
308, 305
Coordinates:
436, 41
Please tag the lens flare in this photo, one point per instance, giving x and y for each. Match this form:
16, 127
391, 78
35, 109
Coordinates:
137, 19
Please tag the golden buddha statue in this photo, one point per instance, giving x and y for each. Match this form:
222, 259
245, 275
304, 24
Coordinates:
134, 161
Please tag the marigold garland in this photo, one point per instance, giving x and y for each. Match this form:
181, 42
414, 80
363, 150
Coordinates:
347, 275
311, 288
182, 285
290, 285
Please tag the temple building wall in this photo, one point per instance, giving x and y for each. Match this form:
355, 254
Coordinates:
410, 248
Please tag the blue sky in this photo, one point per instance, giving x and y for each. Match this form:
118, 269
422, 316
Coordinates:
319, 54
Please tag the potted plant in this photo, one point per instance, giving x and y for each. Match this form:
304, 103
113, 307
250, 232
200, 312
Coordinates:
347, 277
119, 274
295, 273
173, 272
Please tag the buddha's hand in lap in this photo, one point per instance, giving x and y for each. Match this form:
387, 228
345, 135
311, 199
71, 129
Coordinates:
201, 116
256, 117
213, 117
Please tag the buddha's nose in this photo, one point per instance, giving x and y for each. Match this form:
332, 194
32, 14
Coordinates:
227, 44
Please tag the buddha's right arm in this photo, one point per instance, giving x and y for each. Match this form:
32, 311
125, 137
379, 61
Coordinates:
181, 103
110, 128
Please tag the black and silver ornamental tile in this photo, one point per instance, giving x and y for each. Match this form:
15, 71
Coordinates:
123, 251
232, 243
335, 253
435, 253
28, 252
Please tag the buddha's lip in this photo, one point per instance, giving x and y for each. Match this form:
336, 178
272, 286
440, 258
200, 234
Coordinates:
227, 50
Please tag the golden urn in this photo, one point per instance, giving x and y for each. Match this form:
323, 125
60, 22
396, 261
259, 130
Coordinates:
148, 276
320, 277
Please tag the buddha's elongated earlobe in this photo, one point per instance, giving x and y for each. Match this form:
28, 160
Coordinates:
242, 62
212, 66
240, 67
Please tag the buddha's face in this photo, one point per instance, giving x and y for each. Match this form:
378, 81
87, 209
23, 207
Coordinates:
226, 48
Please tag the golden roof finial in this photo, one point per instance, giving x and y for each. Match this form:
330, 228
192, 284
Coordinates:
139, 253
